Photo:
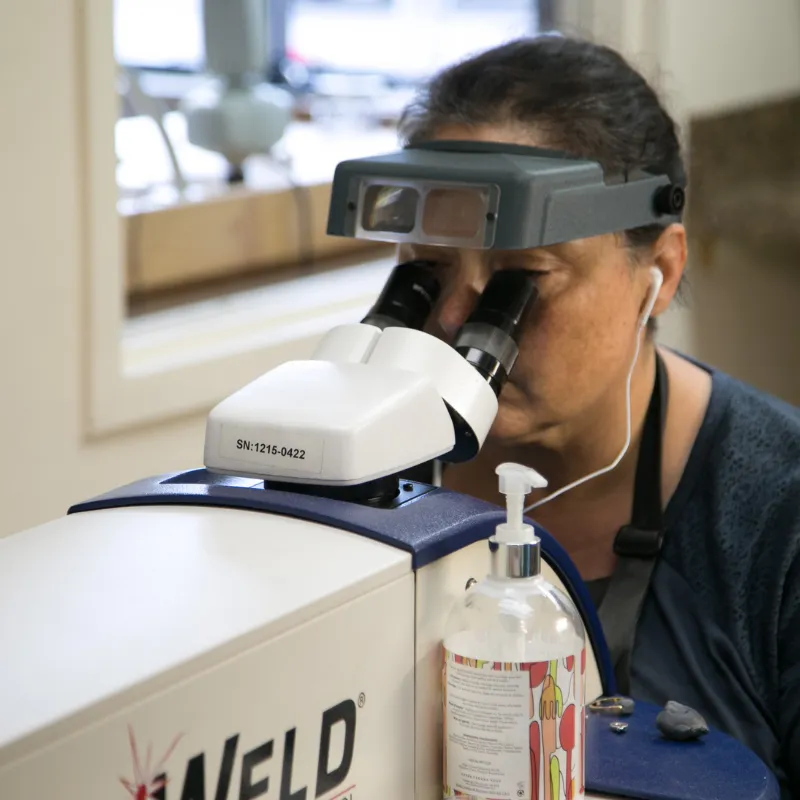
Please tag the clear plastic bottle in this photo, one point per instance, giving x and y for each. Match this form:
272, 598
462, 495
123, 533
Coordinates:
514, 673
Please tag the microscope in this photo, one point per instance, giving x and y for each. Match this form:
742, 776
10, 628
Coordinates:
270, 625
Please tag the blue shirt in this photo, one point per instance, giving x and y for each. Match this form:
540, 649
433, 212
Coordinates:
720, 625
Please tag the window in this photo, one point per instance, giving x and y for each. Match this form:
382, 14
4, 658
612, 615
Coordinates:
333, 34
159, 34
425, 36
358, 61
202, 288
485, 5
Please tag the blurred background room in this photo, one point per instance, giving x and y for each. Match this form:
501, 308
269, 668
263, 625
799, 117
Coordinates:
163, 239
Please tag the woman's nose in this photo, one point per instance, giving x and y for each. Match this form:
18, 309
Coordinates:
463, 285
455, 308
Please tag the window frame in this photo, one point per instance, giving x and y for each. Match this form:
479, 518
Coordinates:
128, 383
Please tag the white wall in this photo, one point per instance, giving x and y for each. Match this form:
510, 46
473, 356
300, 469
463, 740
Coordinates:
722, 54
46, 463
709, 57
715, 50
706, 55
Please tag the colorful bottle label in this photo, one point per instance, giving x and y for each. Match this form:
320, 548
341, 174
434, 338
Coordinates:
514, 731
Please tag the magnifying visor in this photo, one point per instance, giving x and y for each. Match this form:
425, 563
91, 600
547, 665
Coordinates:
485, 195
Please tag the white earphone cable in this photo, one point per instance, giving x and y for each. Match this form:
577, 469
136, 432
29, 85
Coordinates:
639, 329
622, 452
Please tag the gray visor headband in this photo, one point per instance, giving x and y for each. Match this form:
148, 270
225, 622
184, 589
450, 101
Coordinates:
486, 195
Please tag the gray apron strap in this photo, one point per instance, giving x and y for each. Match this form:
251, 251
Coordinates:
637, 545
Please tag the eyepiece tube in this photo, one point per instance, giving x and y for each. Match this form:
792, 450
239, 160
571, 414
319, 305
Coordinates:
407, 298
489, 338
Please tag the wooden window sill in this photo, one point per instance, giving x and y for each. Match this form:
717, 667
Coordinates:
277, 218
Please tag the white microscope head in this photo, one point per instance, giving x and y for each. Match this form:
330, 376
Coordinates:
377, 397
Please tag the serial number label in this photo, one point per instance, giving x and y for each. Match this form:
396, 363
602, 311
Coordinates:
270, 449
298, 452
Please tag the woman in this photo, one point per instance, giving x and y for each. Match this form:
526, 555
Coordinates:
719, 623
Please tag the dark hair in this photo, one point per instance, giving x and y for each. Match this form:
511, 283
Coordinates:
584, 98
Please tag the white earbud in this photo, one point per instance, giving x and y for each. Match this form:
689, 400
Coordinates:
656, 280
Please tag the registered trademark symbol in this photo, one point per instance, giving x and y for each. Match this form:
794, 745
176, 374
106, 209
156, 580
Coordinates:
362, 698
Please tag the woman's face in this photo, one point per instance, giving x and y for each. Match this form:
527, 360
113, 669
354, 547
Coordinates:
578, 342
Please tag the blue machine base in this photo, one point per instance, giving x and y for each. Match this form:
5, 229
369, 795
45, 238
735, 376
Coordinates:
640, 763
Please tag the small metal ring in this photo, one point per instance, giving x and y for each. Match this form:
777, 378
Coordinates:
618, 727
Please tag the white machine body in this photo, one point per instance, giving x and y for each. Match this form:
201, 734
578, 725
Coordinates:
369, 404
261, 655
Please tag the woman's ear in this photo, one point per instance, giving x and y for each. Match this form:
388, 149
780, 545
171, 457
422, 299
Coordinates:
669, 255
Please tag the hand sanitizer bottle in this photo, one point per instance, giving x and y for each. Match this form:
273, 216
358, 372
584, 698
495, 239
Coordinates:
513, 679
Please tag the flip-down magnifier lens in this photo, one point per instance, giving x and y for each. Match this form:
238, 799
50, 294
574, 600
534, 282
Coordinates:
389, 209
456, 216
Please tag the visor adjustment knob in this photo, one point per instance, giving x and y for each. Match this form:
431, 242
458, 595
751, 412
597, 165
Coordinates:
670, 199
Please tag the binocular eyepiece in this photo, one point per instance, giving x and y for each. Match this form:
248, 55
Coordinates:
408, 298
489, 339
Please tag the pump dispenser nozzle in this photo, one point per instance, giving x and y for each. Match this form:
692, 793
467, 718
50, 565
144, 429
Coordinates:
515, 546
516, 482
